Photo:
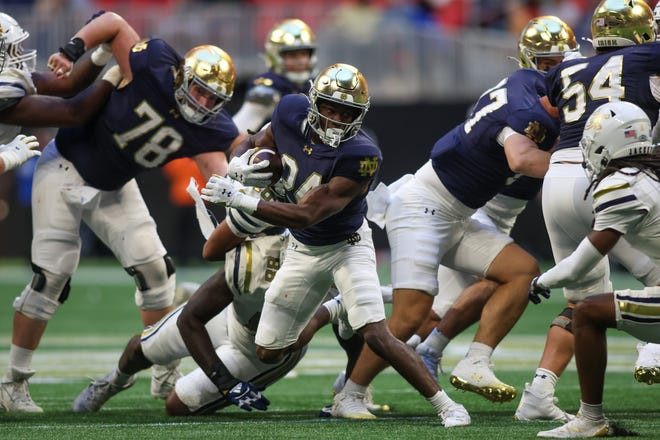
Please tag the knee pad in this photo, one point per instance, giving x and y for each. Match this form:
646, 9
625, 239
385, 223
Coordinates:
155, 283
564, 320
43, 296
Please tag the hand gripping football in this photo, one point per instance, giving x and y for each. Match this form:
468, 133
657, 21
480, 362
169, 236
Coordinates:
275, 162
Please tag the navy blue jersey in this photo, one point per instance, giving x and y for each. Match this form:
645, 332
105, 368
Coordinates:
577, 87
280, 84
523, 188
140, 127
307, 165
469, 161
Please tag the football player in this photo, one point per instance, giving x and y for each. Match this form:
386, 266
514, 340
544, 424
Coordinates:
23, 102
290, 54
21, 106
206, 328
329, 164
625, 68
428, 223
624, 173
167, 106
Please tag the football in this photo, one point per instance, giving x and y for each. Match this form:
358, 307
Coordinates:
275, 165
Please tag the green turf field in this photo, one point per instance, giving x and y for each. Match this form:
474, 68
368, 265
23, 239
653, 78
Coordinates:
87, 335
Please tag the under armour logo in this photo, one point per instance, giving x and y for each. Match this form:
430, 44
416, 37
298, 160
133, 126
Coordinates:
429, 211
226, 191
542, 376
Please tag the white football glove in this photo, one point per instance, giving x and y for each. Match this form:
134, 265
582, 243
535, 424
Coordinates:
249, 175
222, 191
19, 150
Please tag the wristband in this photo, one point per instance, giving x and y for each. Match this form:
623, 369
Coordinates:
221, 377
73, 49
245, 203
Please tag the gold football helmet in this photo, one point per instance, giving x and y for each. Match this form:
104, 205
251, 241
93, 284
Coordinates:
287, 35
545, 36
620, 23
211, 69
14, 35
656, 17
341, 84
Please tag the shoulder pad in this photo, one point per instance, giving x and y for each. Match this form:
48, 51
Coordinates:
263, 94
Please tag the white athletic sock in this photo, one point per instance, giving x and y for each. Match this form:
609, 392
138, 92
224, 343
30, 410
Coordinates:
478, 350
438, 342
20, 358
352, 387
413, 341
545, 381
440, 400
592, 412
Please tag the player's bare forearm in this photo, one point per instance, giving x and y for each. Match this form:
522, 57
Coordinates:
50, 111
210, 299
84, 74
220, 242
317, 205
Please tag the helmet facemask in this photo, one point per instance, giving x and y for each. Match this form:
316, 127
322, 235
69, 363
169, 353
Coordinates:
344, 85
13, 36
210, 70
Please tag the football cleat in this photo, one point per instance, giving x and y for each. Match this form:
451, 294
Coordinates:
647, 366
14, 393
430, 357
454, 415
477, 376
92, 398
368, 396
351, 406
579, 427
535, 406
163, 380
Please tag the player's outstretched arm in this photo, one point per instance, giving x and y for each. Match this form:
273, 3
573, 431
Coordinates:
107, 27
52, 111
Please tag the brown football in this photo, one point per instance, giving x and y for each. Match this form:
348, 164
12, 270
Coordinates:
275, 162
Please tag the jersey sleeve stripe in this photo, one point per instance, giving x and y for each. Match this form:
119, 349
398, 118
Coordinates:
609, 189
614, 202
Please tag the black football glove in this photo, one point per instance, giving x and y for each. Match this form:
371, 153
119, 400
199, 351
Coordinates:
536, 291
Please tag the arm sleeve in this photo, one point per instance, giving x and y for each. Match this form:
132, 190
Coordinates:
572, 268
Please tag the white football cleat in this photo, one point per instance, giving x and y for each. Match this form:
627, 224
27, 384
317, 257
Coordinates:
579, 427
647, 366
454, 415
163, 379
14, 393
475, 375
534, 406
351, 406
368, 396
92, 398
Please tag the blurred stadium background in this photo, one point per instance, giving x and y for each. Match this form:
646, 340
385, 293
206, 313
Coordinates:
425, 61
